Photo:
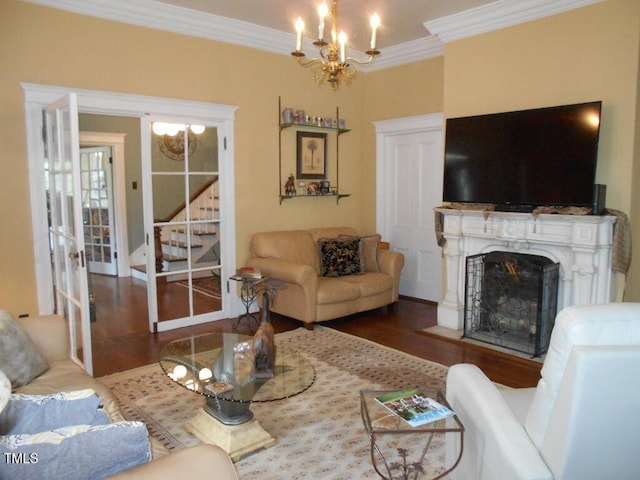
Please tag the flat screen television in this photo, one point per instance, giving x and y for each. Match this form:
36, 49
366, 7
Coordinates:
524, 159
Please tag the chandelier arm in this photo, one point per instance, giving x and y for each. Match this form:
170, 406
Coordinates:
359, 62
308, 63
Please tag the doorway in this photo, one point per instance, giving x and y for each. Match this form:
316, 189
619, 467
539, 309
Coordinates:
103, 103
98, 216
109, 174
409, 186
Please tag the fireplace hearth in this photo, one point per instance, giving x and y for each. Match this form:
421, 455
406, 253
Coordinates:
511, 300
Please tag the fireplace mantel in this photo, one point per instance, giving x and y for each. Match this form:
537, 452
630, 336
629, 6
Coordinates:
581, 244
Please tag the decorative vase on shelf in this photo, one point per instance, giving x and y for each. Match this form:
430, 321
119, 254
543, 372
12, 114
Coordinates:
287, 116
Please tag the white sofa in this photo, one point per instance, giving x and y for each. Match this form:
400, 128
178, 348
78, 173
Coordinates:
581, 421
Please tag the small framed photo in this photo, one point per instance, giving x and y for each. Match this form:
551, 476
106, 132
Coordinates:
312, 155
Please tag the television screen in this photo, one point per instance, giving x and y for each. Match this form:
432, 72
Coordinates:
520, 160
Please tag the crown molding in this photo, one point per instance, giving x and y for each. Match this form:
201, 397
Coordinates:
163, 16
497, 15
408, 52
184, 21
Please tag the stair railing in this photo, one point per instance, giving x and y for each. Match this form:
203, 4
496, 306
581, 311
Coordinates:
202, 200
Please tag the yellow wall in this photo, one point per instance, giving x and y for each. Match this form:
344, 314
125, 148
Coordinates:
404, 91
579, 56
49, 46
527, 65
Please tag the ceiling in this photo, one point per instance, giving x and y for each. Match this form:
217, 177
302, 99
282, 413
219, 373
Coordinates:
410, 30
402, 20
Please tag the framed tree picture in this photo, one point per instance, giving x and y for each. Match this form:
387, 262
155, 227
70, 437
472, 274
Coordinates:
312, 155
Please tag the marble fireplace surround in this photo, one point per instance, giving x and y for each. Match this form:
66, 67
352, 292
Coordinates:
582, 244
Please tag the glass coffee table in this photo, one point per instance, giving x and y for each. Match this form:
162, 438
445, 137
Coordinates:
220, 367
390, 437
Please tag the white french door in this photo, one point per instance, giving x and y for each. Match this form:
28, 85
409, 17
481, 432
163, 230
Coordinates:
97, 209
71, 295
185, 225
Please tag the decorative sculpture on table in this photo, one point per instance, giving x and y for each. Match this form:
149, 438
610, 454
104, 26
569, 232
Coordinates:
264, 347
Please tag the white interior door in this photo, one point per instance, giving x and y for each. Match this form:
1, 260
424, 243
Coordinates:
66, 226
410, 167
97, 209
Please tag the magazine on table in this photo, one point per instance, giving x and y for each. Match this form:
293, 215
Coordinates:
413, 407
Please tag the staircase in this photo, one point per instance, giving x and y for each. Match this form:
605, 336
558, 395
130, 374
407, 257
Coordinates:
204, 239
174, 241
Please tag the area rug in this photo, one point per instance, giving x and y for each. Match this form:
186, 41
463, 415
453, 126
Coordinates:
319, 433
206, 286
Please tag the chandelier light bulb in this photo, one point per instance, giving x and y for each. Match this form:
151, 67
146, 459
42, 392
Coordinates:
299, 29
375, 23
159, 128
342, 40
172, 129
323, 10
197, 129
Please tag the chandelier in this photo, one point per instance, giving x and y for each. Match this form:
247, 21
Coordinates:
333, 65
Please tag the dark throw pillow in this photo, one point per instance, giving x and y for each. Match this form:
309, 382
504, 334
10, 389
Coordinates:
370, 248
340, 256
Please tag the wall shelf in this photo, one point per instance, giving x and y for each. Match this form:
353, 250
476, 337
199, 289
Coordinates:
310, 128
304, 126
337, 196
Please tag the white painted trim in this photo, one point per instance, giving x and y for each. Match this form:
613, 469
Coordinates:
497, 15
409, 52
185, 322
184, 21
116, 142
109, 103
39, 222
386, 129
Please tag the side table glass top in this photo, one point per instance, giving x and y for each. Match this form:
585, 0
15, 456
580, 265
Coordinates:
378, 419
395, 445
220, 366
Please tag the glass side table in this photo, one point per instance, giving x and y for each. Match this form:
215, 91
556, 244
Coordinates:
390, 435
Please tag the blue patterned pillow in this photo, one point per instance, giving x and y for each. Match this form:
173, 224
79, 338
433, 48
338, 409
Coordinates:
340, 256
40, 413
75, 453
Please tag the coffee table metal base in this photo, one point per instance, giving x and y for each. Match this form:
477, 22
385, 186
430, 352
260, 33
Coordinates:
236, 440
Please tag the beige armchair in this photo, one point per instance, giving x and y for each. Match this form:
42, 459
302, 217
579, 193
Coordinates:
581, 421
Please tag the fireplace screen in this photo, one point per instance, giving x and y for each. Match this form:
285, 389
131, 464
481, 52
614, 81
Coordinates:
511, 300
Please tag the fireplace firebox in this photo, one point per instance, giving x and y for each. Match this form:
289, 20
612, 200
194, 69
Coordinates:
511, 300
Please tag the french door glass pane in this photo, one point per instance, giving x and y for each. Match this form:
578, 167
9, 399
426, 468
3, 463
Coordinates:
186, 212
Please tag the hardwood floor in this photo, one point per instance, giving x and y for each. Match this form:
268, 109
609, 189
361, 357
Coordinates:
121, 339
